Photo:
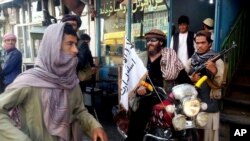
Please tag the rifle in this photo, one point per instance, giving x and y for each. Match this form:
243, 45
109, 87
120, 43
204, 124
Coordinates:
214, 58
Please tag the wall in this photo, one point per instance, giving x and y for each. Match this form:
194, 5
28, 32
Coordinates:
196, 10
230, 9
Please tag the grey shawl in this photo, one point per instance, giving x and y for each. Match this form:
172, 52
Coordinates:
55, 72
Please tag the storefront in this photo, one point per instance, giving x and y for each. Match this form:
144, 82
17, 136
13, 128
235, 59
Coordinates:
115, 25
107, 22
28, 19
21, 17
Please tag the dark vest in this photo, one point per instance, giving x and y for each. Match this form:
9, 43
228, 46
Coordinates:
190, 43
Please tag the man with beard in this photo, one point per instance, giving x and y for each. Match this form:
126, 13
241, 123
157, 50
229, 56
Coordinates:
164, 70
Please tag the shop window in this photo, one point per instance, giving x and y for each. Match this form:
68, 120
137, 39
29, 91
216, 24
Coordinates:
37, 13
58, 8
36, 46
12, 12
113, 31
147, 14
56, 2
23, 41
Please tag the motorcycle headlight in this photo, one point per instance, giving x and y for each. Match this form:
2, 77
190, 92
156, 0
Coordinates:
201, 119
179, 122
191, 107
184, 90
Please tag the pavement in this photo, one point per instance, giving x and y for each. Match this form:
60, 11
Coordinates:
109, 126
103, 109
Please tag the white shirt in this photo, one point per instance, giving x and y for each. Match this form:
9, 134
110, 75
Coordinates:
212, 37
182, 52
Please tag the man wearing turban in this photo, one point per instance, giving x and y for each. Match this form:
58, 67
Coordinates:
164, 70
12, 65
47, 97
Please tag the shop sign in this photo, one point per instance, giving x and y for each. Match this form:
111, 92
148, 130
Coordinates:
150, 5
111, 6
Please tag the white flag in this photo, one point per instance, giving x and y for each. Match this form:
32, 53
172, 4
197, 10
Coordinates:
133, 71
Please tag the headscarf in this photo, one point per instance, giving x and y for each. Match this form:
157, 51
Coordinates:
54, 72
198, 59
9, 36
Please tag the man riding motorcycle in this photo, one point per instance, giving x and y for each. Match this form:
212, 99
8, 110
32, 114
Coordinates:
164, 70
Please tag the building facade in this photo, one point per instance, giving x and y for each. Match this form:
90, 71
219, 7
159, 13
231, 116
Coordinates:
131, 19
106, 21
28, 20
109, 21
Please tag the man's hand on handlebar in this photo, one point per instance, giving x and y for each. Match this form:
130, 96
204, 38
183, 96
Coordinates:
142, 90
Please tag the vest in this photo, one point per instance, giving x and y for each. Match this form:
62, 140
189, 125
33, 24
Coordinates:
190, 43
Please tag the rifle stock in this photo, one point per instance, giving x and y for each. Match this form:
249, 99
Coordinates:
215, 58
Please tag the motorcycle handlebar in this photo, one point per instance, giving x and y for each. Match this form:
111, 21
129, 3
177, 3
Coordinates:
200, 81
147, 85
197, 84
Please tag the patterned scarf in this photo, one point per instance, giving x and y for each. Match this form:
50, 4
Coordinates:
198, 59
170, 64
55, 74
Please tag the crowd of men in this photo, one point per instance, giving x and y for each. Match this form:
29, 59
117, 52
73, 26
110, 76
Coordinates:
46, 102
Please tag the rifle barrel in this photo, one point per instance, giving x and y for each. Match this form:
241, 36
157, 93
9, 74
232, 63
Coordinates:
215, 57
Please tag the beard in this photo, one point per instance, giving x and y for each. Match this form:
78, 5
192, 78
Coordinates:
153, 50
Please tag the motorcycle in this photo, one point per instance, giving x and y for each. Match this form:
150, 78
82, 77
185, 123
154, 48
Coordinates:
176, 117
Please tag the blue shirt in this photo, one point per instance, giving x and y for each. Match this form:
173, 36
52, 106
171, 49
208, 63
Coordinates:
12, 65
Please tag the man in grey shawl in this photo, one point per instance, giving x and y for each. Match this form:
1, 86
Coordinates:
47, 97
209, 92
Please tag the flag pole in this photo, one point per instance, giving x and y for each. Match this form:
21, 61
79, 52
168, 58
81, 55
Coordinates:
150, 81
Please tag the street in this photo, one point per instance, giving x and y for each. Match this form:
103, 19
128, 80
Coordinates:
109, 126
